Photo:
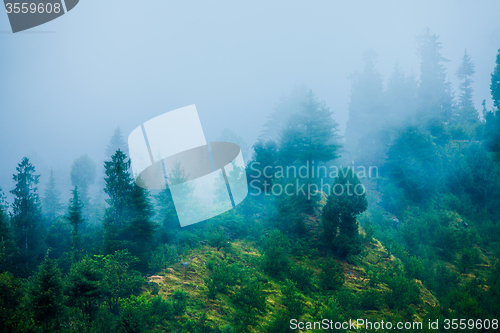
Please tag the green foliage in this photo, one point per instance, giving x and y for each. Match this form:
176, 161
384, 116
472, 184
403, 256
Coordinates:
302, 276
223, 276
45, 297
371, 299
179, 302
293, 300
340, 227
75, 218
162, 257
310, 134
127, 223
468, 259
219, 239
10, 299
249, 302
26, 219
495, 83
52, 199
83, 173
275, 259
332, 275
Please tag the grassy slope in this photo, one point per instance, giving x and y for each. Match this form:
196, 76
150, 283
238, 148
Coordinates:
177, 277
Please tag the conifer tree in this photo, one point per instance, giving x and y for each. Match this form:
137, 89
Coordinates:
492, 128
27, 217
367, 112
46, 297
464, 73
75, 218
116, 143
83, 174
127, 221
310, 135
434, 92
5, 235
118, 188
347, 199
51, 200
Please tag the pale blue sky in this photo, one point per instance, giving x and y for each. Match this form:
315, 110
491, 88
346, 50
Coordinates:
109, 63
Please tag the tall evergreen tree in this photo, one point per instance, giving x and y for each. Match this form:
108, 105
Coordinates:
83, 174
51, 202
495, 83
118, 188
116, 143
46, 297
367, 112
310, 135
289, 105
434, 93
346, 200
27, 217
492, 127
127, 222
75, 218
5, 236
464, 73
401, 97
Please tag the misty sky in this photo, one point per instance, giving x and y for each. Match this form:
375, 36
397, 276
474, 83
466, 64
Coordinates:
67, 84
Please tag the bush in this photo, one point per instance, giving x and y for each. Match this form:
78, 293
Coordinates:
332, 275
163, 256
179, 302
302, 276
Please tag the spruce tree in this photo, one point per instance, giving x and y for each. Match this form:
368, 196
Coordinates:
434, 92
5, 236
118, 188
51, 203
27, 218
492, 127
46, 297
495, 83
83, 174
127, 221
347, 199
116, 143
367, 112
465, 73
310, 135
75, 218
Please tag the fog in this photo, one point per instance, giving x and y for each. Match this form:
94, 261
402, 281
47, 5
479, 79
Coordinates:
66, 85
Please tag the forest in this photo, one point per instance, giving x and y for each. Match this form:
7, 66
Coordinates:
398, 220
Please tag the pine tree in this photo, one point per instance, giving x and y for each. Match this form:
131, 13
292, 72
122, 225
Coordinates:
83, 174
46, 297
51, 201
347, 199
75, 218
116, 143
310, 135
495, 83
5, 236
127, 221
464, 73
27, 217
492, 128
367, 112
434, 92
401, 97
118, 188
289, 105
466, 113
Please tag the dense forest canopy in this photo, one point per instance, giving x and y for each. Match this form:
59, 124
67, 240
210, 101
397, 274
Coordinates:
415, 240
